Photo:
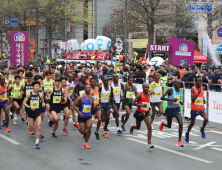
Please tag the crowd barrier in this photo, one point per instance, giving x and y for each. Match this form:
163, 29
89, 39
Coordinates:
213, 104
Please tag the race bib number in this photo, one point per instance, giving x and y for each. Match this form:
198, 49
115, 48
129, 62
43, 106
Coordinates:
129, 95
178, 99
96, 99
81, 92
56, 99
70, 92
86, 108
28, 91
3, 96
158, 94
199, 101
106, 96
34, 103
147, 106
116, 91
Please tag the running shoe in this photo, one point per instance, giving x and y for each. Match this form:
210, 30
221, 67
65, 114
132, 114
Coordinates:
149, 145
84, 135
103, 123
85, 146
23, 120
0, 126
26, 116
105, 129
187, 137
161, 125
41, 136
119, 132
122, 119
65, 131
50, 123
54, 135
123, 128
69, 115
105, 135
64, 117
31, 133
152, 126
95, 117
11, 116
36, 146
180, 144
35, 124
27, 123
3, 123
97, 135
7, 129
53, 123
15, 116
14, 121
202, 133
131, 129
76, 125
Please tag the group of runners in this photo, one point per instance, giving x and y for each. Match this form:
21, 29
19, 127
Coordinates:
53, 94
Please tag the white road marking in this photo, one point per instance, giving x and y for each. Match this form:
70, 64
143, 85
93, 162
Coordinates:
218, 149
203, 146
216, 132
172, 151
9, 139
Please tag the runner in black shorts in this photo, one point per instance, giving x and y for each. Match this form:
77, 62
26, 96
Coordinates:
142, 101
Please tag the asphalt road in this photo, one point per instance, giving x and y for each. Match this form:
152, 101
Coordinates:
115, 153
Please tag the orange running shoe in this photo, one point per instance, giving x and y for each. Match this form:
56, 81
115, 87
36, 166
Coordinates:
105, 135
161, 125
65, 131
85, 146
31, 133
69, 115
7, 129
35, 124
103, 123
180, 144
53, 123
26, 116
95, 117
76, 125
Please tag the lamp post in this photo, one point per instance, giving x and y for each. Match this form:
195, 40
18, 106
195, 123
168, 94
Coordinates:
125, 45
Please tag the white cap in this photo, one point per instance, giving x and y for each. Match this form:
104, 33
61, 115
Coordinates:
59, 66
31, 66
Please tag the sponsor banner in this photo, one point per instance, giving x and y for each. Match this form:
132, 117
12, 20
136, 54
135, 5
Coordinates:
215, 107
140, 43
19, 43
187, 103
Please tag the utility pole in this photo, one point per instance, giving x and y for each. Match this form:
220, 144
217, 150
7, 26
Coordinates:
37, 28
65, 21
219, 13
125, 45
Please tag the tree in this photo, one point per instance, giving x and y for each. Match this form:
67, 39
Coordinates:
152, 13
117, 24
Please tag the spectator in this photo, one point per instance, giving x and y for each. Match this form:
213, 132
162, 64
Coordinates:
140, 75
186, 78
180, 72
104, 69
175, 74
110, 72
211, 78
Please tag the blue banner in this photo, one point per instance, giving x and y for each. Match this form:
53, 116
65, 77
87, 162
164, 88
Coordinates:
200, 8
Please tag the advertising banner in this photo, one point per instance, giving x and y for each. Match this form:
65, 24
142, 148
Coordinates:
19, 43
140, 43
182, 50
69, 46
215, 107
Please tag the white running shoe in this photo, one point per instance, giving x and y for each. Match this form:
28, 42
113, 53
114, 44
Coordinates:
152, 127
14, 121
15, 116
149, 145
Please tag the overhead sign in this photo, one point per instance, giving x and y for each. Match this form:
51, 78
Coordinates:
162, 55
140, 43
11, 22
219, 50
200, 8
159, 47
219, 32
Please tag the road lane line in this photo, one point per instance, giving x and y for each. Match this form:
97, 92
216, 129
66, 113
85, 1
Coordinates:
172, 151
218, 149
205, 145
9, 139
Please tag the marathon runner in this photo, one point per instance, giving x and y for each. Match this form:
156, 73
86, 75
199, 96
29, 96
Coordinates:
173, 109
142, 101
84, 124
197, 107
127, 100
32, 102
116, 88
